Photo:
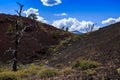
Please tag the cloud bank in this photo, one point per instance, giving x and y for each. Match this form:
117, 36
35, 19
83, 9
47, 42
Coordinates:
73, 24
111, 21
35, 11
51, 2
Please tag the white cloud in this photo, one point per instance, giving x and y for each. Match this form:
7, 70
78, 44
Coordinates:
62, 14
51, 2
73, 24
35, 11
111, 20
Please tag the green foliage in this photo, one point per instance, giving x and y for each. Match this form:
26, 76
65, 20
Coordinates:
85, 64
48, 73
61, 43
10, 29
54, 35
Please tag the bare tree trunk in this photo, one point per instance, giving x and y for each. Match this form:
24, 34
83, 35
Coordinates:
16, 48
15, 61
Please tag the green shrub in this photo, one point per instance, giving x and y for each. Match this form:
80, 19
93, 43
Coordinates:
68, 71
10, 29
85, 64
32, 16
54, 35
48, 73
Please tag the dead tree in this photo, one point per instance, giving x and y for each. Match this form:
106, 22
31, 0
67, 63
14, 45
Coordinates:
17, 36
16, 48
19, 12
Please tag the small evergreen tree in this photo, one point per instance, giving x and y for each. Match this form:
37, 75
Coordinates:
67, 28
32, 16
62, 28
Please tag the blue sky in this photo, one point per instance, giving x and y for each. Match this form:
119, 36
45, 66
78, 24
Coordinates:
71, 12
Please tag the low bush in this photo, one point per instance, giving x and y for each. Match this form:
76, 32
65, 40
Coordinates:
48, 73
10, 29
85, 64
68, 71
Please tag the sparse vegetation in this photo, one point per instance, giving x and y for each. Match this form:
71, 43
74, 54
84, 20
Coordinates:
66, 41
27, 71
33, 48
85, 64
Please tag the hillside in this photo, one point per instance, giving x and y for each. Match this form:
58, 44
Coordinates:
48, 53
35, 42
102, 45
